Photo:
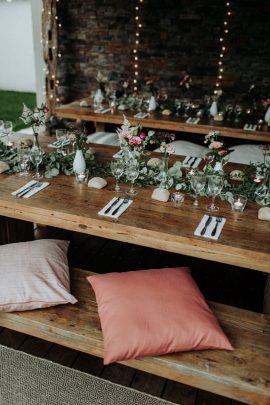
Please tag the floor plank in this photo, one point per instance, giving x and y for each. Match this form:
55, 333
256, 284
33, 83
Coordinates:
118, 374
148, 383
179, 393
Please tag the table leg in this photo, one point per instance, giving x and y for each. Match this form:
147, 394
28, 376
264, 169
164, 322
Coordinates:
15, 230
266, 301
100, 127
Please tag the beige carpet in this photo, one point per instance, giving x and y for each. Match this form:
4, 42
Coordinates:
28, 380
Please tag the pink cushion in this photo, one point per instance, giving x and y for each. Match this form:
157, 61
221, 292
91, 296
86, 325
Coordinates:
152, 312
34, 275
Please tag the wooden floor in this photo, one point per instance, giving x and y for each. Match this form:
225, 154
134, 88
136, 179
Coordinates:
218, 282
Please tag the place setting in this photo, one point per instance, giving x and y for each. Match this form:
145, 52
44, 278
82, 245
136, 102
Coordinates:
191, 161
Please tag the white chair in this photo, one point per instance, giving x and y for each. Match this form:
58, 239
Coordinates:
104, 138
246, 153
186, 148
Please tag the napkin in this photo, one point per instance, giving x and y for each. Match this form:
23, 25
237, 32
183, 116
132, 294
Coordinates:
141, 115
118, 154
210, 227
58, 144
193, 120
250, 127
102, 110
32, 191
189, 160
119, 212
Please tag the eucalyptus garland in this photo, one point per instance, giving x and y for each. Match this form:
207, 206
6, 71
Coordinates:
55, 163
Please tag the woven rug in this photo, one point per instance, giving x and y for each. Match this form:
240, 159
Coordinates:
28, 380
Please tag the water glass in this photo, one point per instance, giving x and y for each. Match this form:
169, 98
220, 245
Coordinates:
24, 161
215, 185
117, 169
8, 128
36, 155
61, 136
197, 182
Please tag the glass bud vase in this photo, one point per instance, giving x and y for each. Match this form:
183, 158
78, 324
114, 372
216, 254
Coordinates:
36, 142
164, 178
218, 167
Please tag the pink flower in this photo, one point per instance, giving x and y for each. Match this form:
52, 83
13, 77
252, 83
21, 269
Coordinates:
36, 110
45, 109
135, 140
222, 151
142, 135
71, 136
124, 135
215, 145
266, 102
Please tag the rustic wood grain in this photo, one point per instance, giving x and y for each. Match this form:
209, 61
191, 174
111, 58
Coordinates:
159, 121
65, 204
242, 374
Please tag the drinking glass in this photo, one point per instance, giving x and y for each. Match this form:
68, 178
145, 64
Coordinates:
23, 160
215, 185
117, 169
36, 155
8, 127
1, 128
197, 182
61, 136
132, 172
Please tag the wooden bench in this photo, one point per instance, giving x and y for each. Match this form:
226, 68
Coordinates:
243, 374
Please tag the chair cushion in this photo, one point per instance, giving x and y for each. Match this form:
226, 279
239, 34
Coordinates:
153, 312
186, 148
105, 138
246, 153
34, 275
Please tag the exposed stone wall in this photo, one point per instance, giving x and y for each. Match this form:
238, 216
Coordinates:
177, 35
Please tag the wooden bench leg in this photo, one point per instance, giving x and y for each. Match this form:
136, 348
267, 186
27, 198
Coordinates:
15, 230
266, 300
100, 127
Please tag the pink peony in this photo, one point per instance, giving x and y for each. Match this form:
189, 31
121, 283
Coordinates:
45, 109
135, 140
215, 145
142, 135
222, 151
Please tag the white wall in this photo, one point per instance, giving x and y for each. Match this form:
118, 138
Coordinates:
17, 64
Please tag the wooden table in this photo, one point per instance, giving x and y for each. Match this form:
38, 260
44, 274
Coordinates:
162, 122
245, 241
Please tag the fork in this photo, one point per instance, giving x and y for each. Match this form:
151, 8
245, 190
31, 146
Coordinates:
25, 191
125, 201
218, 221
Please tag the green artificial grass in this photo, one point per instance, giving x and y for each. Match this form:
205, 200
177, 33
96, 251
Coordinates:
11, 105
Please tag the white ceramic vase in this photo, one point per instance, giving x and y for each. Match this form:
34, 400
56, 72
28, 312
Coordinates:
213, 109
267, 116
152, 104
218, 167
79, 164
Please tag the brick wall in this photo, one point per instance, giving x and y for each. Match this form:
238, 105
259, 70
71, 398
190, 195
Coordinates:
177, 36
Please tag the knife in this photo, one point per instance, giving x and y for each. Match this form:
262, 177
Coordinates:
25, 190
190, 158
207, 223
193, 162
112, 205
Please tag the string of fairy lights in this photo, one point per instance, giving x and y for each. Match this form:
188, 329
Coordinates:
52, 45
138, 26
223, 46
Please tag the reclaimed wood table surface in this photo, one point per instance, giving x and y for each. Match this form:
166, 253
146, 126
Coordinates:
244, 241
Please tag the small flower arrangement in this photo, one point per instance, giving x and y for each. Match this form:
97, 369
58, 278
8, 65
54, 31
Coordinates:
218, 150
34, 118
266, 103
77, 135
133, 136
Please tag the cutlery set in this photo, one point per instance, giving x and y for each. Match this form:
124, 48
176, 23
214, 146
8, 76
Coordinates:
191, 161
26, 190
208, 222
115, 206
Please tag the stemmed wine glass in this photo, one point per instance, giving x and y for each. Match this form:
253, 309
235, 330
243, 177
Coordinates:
36, 155
132, 172
117, 169
8, 127
61, 136
197, 182
215, 185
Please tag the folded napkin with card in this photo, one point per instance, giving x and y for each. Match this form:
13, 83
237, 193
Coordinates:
193, 120
102, 110
30, 188
59, 144
115, 207
191, 161
210, 227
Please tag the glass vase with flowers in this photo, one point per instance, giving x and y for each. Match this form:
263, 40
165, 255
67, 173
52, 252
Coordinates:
35, 118
218, 151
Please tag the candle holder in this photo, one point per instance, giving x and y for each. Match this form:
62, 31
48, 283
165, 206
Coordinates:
177, 199
238, 204
82, 177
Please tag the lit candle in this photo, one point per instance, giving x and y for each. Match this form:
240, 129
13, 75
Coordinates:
238, 205
81, 176
257, 180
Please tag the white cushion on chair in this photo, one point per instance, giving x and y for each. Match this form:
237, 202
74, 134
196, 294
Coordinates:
246, 153
186, 148
105, 138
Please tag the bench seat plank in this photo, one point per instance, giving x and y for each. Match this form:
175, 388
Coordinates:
243, 374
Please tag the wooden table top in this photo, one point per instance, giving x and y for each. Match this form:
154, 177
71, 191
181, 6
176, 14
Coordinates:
158, 121
244, 241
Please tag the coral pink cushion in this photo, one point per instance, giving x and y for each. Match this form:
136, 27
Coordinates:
152, 312
34, 275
